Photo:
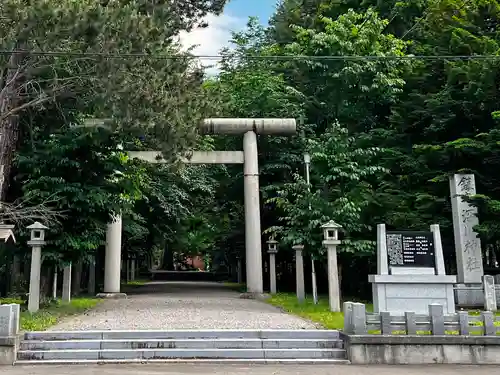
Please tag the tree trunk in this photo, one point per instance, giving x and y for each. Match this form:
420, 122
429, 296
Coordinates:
76, 278
15, 274
91, 282
9, 127
168, 257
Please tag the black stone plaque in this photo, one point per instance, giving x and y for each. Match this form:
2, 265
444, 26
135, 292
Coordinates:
410, 249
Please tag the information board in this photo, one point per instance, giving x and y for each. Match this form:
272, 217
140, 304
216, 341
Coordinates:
410, 249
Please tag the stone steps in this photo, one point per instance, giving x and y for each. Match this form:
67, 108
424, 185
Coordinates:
189, 334
146, 354
181, 344
60, 362
264, 346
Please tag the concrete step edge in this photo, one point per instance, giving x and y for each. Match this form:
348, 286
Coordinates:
181, 360
189, 331
182, 340
181, 334
138, 344
178, 350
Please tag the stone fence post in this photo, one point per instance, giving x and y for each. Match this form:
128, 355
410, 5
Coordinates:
358, 322
9, 333
355, 318
490, 298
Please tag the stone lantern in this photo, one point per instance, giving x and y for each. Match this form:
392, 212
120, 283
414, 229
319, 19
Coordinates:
331, 232
272, 246
331, 240
272, 250
37, 234
37, 240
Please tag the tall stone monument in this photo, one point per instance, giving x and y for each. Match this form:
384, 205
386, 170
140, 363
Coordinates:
467, 244
469, 290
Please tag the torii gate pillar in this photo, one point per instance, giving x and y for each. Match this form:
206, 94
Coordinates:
253, 243
249, 128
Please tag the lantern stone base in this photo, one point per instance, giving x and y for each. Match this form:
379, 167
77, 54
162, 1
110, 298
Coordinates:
472, 295
111, 295
256, 296
400, 293
8, 350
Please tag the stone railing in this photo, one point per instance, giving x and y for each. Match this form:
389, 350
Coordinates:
9, 333
358, 322
416, 339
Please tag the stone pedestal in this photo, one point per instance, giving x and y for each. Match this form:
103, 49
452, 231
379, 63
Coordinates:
34, 294
401, 289
401, 293
472, 295
333, 279
112, 295
272, 271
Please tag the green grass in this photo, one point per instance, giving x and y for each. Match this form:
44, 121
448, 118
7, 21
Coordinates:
11, 300
139, 282
319, 313
54, 312
478, 312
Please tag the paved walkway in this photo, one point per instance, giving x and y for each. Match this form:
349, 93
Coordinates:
206, 369
183, 305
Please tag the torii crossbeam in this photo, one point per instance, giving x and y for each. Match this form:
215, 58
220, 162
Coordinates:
249, 158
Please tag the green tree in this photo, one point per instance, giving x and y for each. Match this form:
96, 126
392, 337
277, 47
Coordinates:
66, 44
342, 176
357, 92
79, 172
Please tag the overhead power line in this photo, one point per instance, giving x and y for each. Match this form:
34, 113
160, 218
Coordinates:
424, 15
252, 57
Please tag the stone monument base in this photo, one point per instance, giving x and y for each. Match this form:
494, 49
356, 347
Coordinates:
412, 293
472, 295
111, 295
8, 350
256, 296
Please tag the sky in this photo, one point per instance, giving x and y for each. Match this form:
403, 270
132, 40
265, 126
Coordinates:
210, 40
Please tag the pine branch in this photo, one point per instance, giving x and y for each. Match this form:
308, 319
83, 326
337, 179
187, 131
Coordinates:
23, 212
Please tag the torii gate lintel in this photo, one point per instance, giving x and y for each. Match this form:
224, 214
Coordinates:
249, 158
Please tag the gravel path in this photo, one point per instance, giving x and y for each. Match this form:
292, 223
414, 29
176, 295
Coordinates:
183, 305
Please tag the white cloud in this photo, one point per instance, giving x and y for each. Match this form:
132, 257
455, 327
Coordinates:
210, 40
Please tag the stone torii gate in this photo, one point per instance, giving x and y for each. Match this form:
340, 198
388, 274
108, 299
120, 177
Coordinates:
249, 158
